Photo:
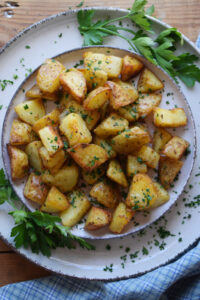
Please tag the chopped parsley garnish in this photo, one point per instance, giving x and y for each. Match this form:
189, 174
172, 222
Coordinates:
26, 107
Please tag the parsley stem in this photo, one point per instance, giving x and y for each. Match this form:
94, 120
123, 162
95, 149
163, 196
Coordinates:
117, 19
126, 29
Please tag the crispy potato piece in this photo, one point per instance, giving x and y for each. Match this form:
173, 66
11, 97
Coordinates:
115, 173
35, 189
135, 165
122, 93
97, 98
97, 218
48, 76
55, 201
169, 117
149, 82
94, 78
94, 175
105, 145
162, 194
34, 92
51, 96
51, 139
65, 179
105, 193
88, 156
160, 138
142, 192
18, 162
147, 102
129, 112
131, 66
130, 140
104, 110
168, 169
74, 83
21, 133
30, 111
52, 163
175, 148
79, 206
149, 156
32, 150
75, 130
121, 217
50, 119
111, 126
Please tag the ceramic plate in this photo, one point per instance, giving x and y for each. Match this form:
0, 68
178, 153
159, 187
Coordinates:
134, 254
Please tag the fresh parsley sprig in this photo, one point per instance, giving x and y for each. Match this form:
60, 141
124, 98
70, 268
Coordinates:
40, 231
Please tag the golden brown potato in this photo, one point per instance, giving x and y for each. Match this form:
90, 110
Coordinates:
142, 192
50, 119
160, 138
175, 148
175, 117
147, 102
88, 156
21, 133
65, 179
48, 76
131, 66
149, 156
79, 206
97, 218
74, 83
51, 139
94, 78
168, 169
75, 130
115, 173
51, 96
18, 162
55, 201
122, 93
35, 189
121, 217
105, 193
34, 92
130, 140
129, 112
97, 98
105, 145
30, 111
162, 194
104, 110
32, 150
94, 175
149, 82
52, 163
111, 126
135, 165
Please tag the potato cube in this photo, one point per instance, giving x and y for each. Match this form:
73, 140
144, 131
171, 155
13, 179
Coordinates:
105, 145
168, 169
97, 218
129, 112
55, 201
147, 102
51, 119
32, 150
94, 175
74, 83
79, 206
142, 192
30, 111
51, 96
34, 92
51, 139
48, 75
162, 194
75, 130
52, 163
115, 173
135, 165
169, 117
149, 156
94, 78
111, 126
18, 162
160, 138
175, 148
97, 98
131, 67
149, 82
88, 156
105, 193
21, 133
35, 189
121, 217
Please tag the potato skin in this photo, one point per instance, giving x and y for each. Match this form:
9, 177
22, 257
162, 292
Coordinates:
97, 218
131, 66
32, 150
121, 217
30, 111
147, 102
168, 169
105, 193
35, 189
18, 162
21, 133
175, 117
96, 98
55, 201
175, 148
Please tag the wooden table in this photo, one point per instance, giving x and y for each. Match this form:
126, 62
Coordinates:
183, 14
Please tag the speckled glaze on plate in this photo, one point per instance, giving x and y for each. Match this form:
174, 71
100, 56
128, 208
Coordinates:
137, 253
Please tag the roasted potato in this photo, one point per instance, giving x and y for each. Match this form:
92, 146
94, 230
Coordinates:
32, 150
94, 78
169, 117
30, 111
131, 66
55, 201
97, 218
175, 148
149, 82
34, 92
35, 190
129, 112
51, 139
94, 175
97, 98
135, 165
168, 169
147, 102
18, 162
21, 133
50, 119
160, 138
79, 206
149, 156
115, 173
121, 217
52, 163
88, 156
105, 145
162, 196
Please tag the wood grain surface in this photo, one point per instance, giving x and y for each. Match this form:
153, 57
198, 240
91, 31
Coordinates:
183, 14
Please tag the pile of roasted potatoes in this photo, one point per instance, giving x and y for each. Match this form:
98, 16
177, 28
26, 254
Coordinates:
96, 137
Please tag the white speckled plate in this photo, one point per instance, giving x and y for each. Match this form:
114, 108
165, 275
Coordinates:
121, 257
